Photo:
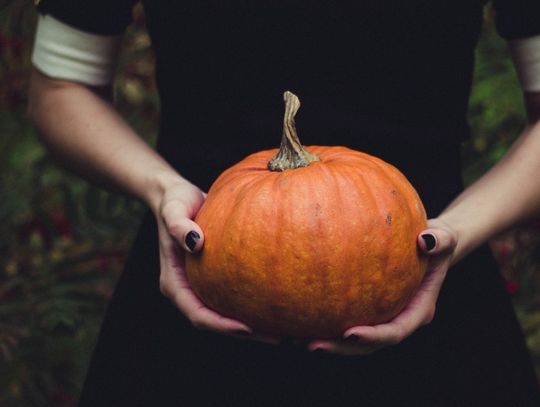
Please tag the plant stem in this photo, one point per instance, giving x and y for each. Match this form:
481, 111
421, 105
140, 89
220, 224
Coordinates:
291, 153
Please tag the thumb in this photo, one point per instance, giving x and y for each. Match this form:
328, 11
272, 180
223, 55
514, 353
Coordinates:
185, 231
436, 240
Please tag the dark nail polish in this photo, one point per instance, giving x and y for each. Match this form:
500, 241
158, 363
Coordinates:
430, 241
191, 239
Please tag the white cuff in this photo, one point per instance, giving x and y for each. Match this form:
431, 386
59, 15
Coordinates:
526, 55
63, 52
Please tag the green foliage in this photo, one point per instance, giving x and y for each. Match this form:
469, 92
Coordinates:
497, 116
62, 245
63, 242
496, 111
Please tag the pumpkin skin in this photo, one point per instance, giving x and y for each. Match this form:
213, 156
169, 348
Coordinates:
310, 251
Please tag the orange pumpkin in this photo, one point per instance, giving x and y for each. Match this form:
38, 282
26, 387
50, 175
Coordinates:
309, 244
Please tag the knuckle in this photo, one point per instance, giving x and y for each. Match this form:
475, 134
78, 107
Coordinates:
163, 287
169, 208
430, 314
397, 336
175, 229
395, 339
198, 322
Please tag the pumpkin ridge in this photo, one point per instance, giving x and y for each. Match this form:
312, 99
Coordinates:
330, 153
405, 188
342, 185
415, 222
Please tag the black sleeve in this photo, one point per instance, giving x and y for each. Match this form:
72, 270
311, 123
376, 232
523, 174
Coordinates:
104, 17
517, 18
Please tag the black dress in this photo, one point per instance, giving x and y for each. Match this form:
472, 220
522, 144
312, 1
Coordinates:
386, 77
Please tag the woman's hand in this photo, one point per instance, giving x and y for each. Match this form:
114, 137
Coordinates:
438, 243
178, 233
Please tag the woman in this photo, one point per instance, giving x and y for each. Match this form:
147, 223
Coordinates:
389, 79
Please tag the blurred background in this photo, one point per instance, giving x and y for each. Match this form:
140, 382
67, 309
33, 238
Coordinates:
63, 242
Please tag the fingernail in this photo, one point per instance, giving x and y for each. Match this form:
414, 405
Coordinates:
430, 241
191, 239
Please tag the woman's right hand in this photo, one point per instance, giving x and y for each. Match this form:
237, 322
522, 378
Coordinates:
178, 233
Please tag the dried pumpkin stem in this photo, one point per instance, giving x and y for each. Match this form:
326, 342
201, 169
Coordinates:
291, 153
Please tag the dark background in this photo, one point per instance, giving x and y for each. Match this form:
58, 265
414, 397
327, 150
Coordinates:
63, 241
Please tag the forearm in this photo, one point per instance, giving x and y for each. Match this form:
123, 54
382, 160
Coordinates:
506, 195
92, 139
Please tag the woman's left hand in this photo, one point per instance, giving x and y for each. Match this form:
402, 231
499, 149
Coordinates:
438, 242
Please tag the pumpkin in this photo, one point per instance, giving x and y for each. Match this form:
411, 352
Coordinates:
308, 242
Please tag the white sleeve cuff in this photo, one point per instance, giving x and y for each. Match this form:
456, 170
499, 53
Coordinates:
63, 52
526, 55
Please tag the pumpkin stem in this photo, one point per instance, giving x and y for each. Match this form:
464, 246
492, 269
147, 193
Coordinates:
291, 154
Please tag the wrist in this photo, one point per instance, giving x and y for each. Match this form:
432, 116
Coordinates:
157, 185
448, 223
469, 235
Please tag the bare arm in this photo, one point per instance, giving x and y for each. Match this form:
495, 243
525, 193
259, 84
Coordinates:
91, 138
507, 194
82, 128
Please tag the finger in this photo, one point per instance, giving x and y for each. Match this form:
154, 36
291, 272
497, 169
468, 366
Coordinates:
175, 286
185, 231
435, 241
379, 335
343, 347
204, 318
419, 312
